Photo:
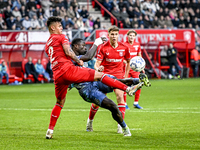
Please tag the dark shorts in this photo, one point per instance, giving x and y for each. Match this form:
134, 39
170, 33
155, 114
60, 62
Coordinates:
74, 74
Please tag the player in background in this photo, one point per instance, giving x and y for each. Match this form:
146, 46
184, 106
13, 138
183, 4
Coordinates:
135, 50
110, 59
65, 72
94, 92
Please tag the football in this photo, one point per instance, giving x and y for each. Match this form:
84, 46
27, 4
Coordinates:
137, 64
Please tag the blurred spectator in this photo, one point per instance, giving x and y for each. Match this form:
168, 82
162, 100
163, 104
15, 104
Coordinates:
11, 23
77, 14
172, 59
9, 3
181, 22
23, 2
131, 13
32, 12
42, 21
147, 22
16, 12
124, 13
67, 4
161, 22
121, 4
26, 23
16, 3
134, 22
129, 3
56, 12
176, 22
2, 23
41, 71
108, 6
18, 23
60, 4
84, 13
46, 6
127, 23
155, 6
23, 11
63, 12
140, 21
98, 22
170, 5
66, 22
49, 70
137, 12
70, 12
194, 61
115, 3
89, 23
150, 14
160, 13
34, 23
162, 4
40, 12
116, 13
155, 22
163, 55
196, 22
74, 4
80, 24
137, 4
8, 12
185, 13
30, 4
168, 22
3, 72
30, 69
197, 13
166, 12
2, 5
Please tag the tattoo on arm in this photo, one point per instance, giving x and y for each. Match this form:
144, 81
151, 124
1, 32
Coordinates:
69, 52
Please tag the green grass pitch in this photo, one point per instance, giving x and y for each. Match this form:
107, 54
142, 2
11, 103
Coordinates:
170, 119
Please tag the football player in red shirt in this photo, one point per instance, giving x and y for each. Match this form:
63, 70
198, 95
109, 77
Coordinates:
135, 50
110, 59
65, 72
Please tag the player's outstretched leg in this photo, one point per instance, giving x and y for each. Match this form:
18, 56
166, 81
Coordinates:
116, 114
143, 78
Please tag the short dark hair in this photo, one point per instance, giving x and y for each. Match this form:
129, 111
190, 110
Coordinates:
53, 19
76, 41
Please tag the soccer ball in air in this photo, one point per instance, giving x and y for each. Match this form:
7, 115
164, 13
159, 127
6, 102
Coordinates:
137, 63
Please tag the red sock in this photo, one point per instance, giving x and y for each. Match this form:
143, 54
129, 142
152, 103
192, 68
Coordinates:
122, 108
137, 95
93, 111
54, 115
124, 97
113, 83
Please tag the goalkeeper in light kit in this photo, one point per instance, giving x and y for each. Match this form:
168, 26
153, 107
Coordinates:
135, 50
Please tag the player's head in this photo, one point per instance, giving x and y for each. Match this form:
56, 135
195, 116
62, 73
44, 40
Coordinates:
54, 25
79, 46
113, 34
171, 45
131, 34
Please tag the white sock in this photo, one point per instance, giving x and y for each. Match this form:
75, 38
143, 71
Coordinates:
135, 103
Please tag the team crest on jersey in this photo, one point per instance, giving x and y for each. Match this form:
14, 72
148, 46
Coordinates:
136, 47
120, 53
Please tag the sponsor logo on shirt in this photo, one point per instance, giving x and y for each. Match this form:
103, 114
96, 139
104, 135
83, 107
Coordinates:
121, 50
133, 53
113, 60
136, 47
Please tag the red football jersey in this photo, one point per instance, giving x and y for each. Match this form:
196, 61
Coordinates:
59, 60
135, 49
112, 58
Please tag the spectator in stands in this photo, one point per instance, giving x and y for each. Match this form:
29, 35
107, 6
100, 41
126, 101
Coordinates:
63, 12
163, 55
11, 23
175, 22
147, 22
23, 11
129, 3
2, 5
66, 22
34, 23
150, 14
2, 23
168, 22
30, 69
114, 3
108, 6
121, 4
181, 22
40, 12
161, 22
74, 4
23, 2
84, 13
16, 3
160, 13
98, 22
137, 4
172, 59
32, 12
77, 14
46, 6
30, 4
56, 12
16, 12
8, 12
70, 12
137, 12
134, 22
49, 70
116, 13
194, 61
26, 23
155, 23
124, 13
140, 21
60, 4
3, 72
67, 4
9, 2
197, 13
155, 6
127, 23
130, 12
89, 23
41, 71
42, 21
196, 22
18, 23
80, 24
185, 13
166, 12
170, 5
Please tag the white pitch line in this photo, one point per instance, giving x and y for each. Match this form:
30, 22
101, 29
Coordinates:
135, 129
87, 110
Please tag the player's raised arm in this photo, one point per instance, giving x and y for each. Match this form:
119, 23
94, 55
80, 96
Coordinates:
69, 52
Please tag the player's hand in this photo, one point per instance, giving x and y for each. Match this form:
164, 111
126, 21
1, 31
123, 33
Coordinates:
99, 41
100, 69
81, 63
104, 39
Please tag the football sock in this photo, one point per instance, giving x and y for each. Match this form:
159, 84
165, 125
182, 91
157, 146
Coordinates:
123, 124
125, 97
137, 95
113, 83
122, 108
93, 111
54, 115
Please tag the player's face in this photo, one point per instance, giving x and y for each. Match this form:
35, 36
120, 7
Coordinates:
113, 36
131, 37
82, 48
57, 28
